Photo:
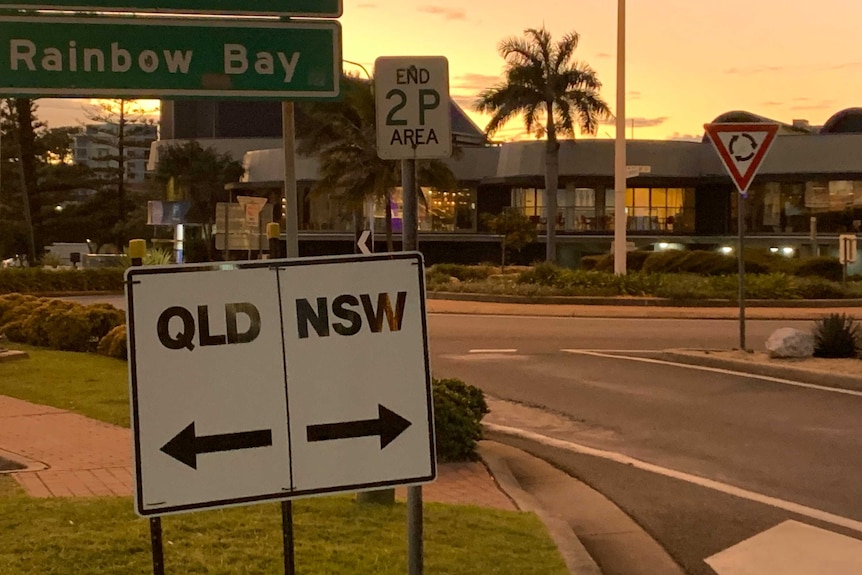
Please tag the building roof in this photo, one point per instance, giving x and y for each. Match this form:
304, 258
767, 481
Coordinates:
848, 121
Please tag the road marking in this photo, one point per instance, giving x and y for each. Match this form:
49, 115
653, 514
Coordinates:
718, 370
791, 548
493, 351
726, 488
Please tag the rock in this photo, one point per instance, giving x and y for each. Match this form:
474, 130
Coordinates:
789, 342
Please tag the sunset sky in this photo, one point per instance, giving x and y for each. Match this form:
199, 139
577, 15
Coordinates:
687, 60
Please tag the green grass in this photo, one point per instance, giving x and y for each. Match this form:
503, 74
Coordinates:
89, 384
332, 535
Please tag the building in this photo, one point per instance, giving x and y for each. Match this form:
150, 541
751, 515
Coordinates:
808, 190
96, 146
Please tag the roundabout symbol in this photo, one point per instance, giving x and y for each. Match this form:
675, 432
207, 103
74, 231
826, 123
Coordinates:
751, 147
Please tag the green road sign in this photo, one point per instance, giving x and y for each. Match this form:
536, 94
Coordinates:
162, 58
316, 8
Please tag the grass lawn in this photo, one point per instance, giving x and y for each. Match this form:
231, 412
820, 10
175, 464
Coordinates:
89, 384
333, 535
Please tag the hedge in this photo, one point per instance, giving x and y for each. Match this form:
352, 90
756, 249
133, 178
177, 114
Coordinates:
41, 280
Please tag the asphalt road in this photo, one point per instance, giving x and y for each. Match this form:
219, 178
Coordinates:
758, 439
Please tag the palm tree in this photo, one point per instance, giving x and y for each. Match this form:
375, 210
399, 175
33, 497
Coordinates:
554, 93
343, 136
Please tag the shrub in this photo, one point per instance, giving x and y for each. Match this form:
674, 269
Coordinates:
817, 288
634, 261
60, 324
462, 272
38, 280
663, 262
543, 273
458, 412
590, 262
771, 286
836, 335
821, 267
114, 343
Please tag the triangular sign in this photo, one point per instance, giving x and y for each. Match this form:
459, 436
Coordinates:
742, 148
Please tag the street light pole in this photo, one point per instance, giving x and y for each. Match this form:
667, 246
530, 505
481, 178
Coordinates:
620, 218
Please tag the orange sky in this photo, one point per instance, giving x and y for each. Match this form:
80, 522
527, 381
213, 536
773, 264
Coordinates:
687, 60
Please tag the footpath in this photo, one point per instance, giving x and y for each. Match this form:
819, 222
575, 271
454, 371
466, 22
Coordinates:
68, 455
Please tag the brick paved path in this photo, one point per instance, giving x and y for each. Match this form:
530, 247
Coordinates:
75, 456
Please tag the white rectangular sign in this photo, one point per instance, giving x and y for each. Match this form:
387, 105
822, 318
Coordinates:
412, 104
847, 248
278, 379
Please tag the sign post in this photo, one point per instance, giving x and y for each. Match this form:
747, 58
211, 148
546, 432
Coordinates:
208, 434
846, 253
741, 148
413, 122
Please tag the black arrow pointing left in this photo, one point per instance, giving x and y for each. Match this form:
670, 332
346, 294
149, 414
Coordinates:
186, 446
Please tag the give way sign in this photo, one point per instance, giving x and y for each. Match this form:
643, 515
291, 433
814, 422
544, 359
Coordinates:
278, 379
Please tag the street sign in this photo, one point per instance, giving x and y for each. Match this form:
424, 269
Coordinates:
634, 171
316, 8
277, 379
412, 105
362, 242
742, 148
847, 248
167, 58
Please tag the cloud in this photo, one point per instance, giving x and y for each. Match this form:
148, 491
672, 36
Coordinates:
816, 105
366, 5
639, 122
603, 55
685, 137
751, 70
446, 12
771, 104
475, 82
466, 102
844, 66
633, 95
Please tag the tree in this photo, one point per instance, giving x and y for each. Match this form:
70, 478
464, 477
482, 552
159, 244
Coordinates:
21, 153
198, 175
343, 136
515, 229
553, 93
121, 129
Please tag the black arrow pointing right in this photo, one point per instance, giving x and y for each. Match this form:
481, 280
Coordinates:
388, 426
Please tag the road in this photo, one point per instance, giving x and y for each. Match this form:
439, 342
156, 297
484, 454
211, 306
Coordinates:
702, 459
729, 455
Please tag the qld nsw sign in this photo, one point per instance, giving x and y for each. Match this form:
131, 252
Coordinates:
165, 58
317, 8
278, 379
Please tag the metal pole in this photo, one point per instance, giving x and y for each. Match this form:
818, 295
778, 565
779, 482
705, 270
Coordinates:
409, 243
156, 544
291, 195
409, 219
287, 537
740, 213
620, 218
414, 531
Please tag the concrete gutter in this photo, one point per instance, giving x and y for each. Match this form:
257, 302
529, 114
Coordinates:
786, 371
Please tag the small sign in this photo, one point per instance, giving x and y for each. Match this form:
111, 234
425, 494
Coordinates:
847, 248
634, 171
742, 148
362, 243
412, 106
278, 379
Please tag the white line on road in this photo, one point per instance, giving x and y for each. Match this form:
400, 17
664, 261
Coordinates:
790, 506
717, 370
493, 351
